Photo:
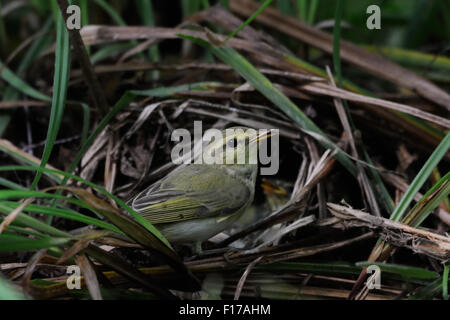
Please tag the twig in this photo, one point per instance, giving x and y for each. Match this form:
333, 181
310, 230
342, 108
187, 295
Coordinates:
396, 233
241, 282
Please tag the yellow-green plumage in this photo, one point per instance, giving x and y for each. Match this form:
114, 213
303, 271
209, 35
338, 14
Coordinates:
197, 201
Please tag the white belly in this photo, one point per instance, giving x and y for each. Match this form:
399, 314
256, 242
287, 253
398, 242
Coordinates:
195, 230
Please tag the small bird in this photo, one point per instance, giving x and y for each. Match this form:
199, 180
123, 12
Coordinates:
197, 201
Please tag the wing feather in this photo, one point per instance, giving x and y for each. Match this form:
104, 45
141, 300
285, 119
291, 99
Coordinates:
181, 195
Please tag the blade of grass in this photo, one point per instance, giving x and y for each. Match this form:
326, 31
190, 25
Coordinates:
94, 88
114, 16
11, 185
152, 240
436, 176
381, 250
19, 194
23, 230
111, 12
66, 214
445, 282
225, 4
86, 120
85, 18
421, 177
9, 243
430, 201
22, 194
301, 9
205, 4
249, 20
34, 223
3, 38
60, 84
8, 292
312, 11
148, 17
414, 58
406, 272
415, 31
137, 232
109, 50
427, 292
20, 85
190, 7
25, 158
11, 93
285, 7
127, 225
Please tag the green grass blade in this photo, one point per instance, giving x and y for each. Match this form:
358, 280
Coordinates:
11, 93
190, 7
21, 194
66, 214
438, 193
285, 7
8, 292
109, 50
86, 120
406, 272
205, 4
26, 220
336, 43
414, 58
148, 17
445, 282
60, 85
22, 158
11, 185
421, 177
23, 230
3, 38
20, 85
9, 243
312, 11
145, 8
249, 20
111, 12
225, 4
301, 9
427, 292
85, 18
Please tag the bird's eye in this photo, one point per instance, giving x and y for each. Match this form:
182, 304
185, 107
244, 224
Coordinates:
232, 143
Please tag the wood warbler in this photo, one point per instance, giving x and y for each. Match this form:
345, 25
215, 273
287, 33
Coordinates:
197, 201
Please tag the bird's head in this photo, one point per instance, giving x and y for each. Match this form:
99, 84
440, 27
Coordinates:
234, 146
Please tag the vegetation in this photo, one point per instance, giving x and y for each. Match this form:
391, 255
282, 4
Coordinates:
86, 119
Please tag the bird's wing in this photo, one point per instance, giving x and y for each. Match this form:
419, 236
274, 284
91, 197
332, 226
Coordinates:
197, 191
